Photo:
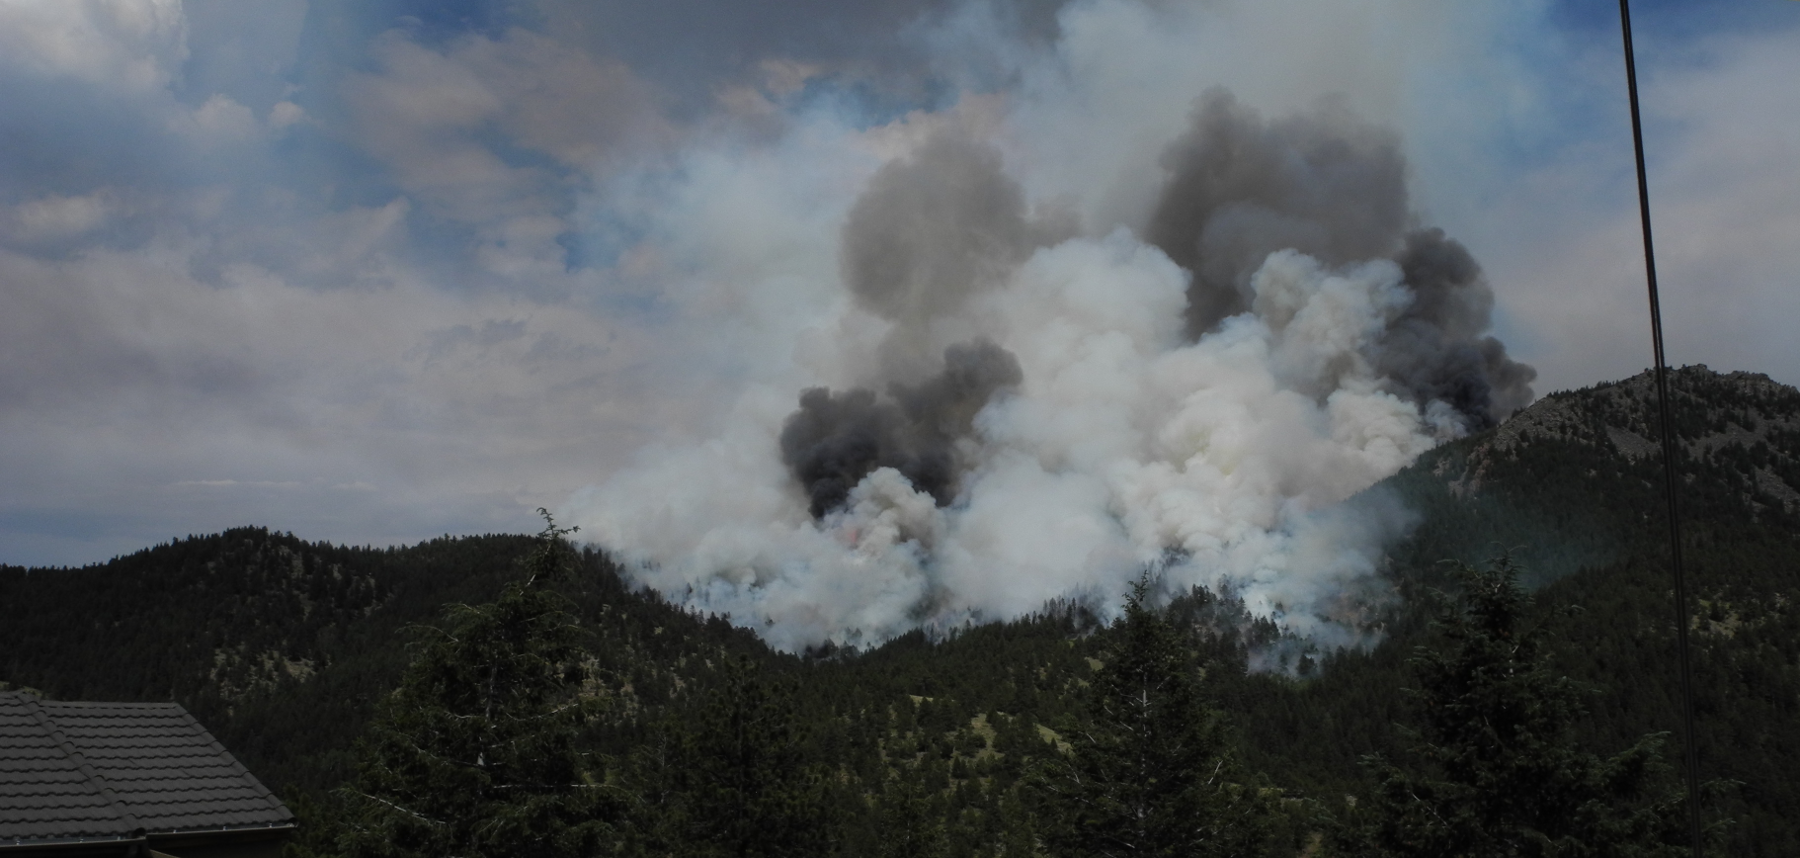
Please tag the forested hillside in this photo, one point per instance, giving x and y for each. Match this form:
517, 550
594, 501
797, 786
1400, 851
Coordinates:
1571, 488
282, 646
955, 746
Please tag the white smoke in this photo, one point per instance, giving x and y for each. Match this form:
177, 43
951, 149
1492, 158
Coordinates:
1123, 444
1128, 442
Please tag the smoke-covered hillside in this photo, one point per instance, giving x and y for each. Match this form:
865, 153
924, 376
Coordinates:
283, 647
1576, 479
1007, 406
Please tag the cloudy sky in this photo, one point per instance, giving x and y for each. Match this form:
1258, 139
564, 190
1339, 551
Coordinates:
378, 270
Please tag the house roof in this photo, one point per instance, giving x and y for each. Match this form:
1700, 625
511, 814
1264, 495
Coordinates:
99, 771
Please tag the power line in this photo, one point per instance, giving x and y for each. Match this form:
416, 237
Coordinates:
1668, 444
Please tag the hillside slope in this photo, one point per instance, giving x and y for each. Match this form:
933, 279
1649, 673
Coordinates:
1571, 487
281, 646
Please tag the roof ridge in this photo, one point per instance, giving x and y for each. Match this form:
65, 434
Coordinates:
116, 704
237, 768
132, 826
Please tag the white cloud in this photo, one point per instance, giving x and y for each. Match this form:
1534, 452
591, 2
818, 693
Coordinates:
128, 45
220, 119
127, 378
425, 110
1727, 206
55, 217
285, 114
1565, 247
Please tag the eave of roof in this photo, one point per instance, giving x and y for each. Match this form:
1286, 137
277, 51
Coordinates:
75, 772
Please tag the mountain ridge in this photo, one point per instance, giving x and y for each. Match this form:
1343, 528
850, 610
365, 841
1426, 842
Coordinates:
282, 646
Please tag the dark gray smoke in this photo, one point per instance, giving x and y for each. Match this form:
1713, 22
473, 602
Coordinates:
932, 229
1438, 348
1110, 439
1332, 187
836, 439
1323, 183
929, 228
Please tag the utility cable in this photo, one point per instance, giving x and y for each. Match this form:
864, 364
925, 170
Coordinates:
1668, 445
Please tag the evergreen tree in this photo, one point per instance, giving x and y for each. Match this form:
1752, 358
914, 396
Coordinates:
475, 754
1018, 838
1499, 773
656, 776
733, 780
1149, 772
911, 818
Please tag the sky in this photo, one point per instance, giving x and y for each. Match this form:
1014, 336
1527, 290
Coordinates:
372, 272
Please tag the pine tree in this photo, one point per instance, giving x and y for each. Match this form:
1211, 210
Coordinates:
1018, 838
656, 775
1149, 772
1499, 773
730, 779
475, 754
911, 817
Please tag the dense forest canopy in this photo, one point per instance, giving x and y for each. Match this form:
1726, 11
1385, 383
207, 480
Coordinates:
969, 742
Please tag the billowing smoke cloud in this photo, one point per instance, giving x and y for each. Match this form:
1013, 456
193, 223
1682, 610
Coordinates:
1437, 350
1239, 189
835, 440
931, 230
1034, 411
1334, 188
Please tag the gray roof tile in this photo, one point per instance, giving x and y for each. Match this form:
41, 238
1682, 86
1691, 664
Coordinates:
71, 770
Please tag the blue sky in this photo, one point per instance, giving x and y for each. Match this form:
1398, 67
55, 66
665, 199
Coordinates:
377, 271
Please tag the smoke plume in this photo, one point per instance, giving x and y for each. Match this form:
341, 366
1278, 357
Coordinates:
1239, 189
931, 230
1331, 187
837, 439
1437, 350
1014, 408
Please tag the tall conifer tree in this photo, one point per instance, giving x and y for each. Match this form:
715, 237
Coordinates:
1497, 771
756, 795
475, 754
1149, 772
728, 777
